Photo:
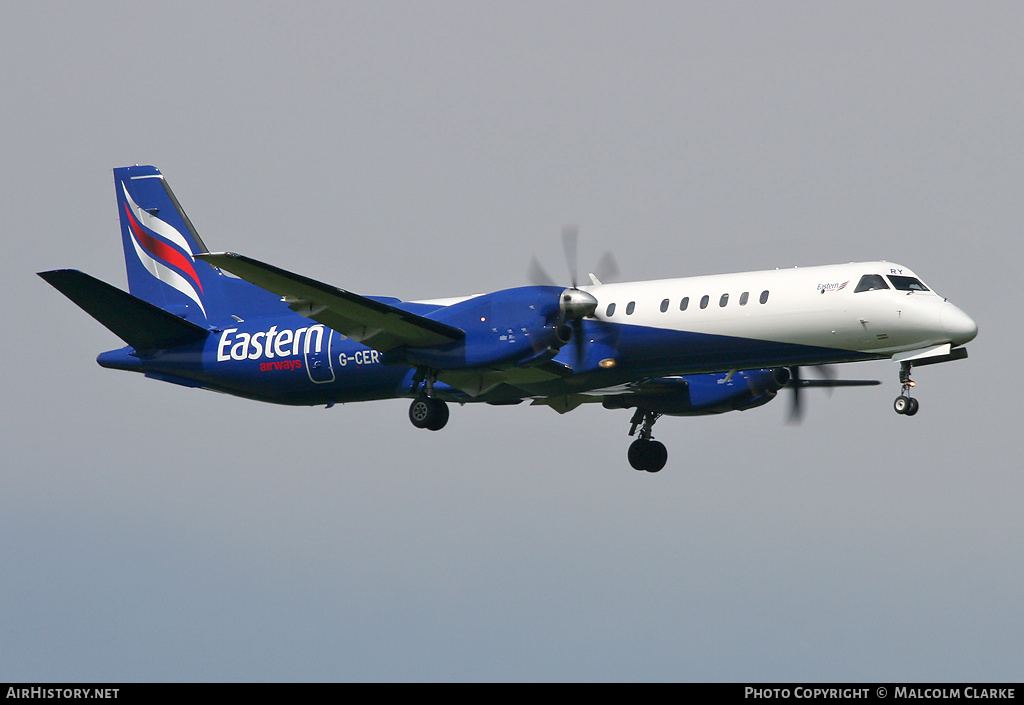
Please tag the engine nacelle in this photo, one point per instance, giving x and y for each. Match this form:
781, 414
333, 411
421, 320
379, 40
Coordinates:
696, 395
508, 328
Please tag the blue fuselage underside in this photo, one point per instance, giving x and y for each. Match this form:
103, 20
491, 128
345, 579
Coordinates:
286, 360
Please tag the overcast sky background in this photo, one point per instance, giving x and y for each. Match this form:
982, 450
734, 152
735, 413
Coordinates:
152, 532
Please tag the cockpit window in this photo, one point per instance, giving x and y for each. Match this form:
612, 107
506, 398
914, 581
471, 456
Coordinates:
907, 283
871, 282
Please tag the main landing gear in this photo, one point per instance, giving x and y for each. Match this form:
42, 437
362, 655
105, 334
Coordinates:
905, 404
426, 411
645, 453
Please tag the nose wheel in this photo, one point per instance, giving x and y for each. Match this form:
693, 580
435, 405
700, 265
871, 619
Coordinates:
905, 404
645, 453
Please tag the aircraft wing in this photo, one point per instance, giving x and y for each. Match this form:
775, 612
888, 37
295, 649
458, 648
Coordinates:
372, 323
477, 382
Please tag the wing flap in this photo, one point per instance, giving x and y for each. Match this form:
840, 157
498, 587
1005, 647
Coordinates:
565, 403
478, 382
372, 323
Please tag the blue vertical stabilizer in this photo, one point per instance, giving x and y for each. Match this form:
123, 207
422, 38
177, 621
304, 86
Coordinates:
160, 244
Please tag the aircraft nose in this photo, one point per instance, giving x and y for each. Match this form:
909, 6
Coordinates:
960, 327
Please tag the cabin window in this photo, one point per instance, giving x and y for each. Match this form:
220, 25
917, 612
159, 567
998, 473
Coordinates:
611, 310
744, 297
684, 303
704, 301
907, 283
629, 308
664, 306
871, 282
723, 301
764, 296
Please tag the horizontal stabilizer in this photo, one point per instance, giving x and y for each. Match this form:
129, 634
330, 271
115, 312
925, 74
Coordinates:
138, 323
372, 323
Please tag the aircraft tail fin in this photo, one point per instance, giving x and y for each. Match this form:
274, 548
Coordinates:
160, 245
142, 325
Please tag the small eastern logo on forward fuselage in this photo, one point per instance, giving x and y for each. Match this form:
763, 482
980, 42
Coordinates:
832, 286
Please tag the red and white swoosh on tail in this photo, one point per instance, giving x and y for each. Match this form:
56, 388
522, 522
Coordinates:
151, 250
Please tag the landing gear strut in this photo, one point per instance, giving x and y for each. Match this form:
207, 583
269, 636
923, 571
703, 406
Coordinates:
645, 453
426, 411
905, 404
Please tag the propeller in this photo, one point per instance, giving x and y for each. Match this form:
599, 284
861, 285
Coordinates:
570, 245
574, 304
828, 381
607, 268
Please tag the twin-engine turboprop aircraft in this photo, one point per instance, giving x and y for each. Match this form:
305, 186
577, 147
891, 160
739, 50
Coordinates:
679, 347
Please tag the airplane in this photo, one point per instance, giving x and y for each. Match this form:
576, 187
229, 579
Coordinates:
673, 347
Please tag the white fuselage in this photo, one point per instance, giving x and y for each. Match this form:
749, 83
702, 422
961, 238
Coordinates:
814, 306
817, 306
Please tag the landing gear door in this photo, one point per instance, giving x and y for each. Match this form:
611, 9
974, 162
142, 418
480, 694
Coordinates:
319, 341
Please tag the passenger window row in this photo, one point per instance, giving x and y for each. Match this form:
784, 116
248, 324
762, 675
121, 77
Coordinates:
684, 303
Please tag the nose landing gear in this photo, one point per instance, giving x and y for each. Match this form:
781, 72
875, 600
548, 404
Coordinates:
645, 453
905, 404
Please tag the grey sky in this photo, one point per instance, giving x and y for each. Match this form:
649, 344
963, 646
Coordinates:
149, 532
